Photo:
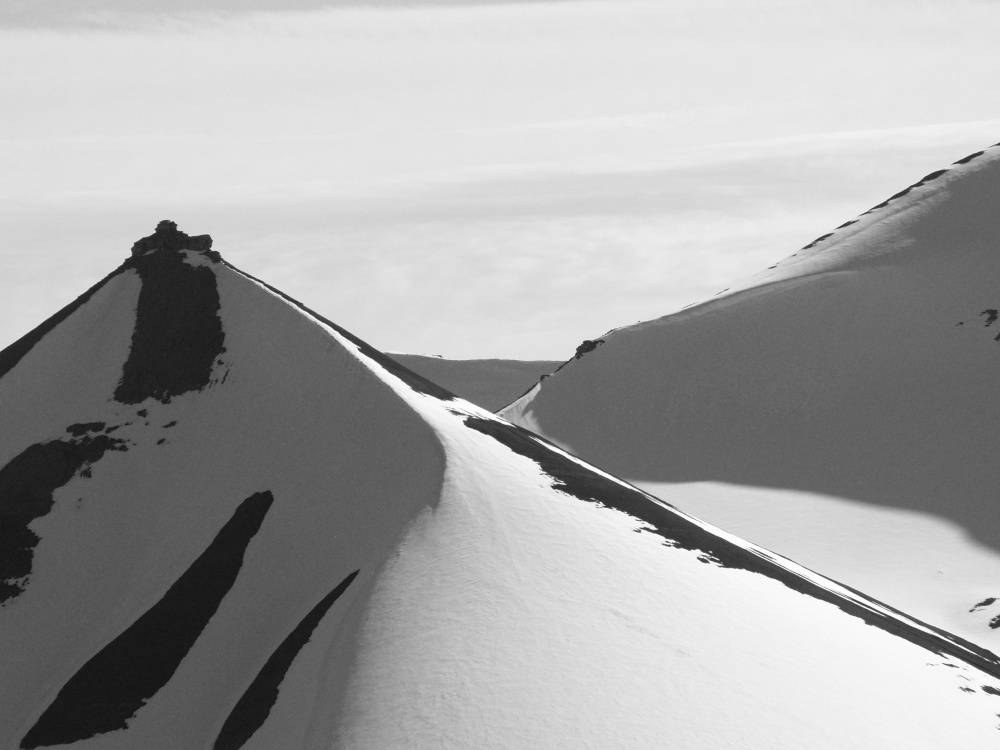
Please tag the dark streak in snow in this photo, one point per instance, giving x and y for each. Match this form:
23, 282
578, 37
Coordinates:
27, 485
816, 241
586, 347
991, 316
253, 708
178, 334
82, 428
660, 518
931, 177
970, 157
414, 381
984, 603
923, 181
115, 683
989, 689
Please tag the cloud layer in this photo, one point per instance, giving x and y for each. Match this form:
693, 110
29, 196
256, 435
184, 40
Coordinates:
516, 176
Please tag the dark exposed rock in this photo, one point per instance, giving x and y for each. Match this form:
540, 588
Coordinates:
923, 181
178, 334
817, 240
27, 484
970, 157
168, 237
655, 516
116, 682
82, 428
587, 346
253, 708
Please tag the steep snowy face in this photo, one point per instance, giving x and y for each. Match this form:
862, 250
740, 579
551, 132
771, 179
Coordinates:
228, 523
190, 466
861, 367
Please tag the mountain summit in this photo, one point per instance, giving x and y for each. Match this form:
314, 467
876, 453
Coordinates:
852, 384
228, 523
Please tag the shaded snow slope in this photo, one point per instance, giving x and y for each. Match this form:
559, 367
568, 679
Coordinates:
307, 546
920, 562
861, 367
285, 412
489, 383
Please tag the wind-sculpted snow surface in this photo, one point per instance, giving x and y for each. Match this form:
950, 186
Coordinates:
255, 705
108, 690
860, 368
313, 548
684, 532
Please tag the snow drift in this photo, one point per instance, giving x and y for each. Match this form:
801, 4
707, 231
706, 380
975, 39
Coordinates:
860, 368
228, 523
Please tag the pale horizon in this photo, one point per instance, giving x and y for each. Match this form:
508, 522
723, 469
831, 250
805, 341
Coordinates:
473, 179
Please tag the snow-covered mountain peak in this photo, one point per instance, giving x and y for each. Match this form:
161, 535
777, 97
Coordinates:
167, 237
859, 369
228, 523
959, 199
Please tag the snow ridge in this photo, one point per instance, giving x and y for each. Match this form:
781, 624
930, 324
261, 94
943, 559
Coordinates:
315, 548
856, 375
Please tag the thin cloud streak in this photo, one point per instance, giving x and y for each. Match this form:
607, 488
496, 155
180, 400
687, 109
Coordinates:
516, 264
534, 172
146, 14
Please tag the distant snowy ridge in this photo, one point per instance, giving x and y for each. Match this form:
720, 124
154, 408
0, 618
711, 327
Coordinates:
809, 259
807, 252
298, 543
490, 383
859, 368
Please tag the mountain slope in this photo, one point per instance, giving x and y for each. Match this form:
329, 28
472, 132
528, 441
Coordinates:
861, 367
489, 383
242, 527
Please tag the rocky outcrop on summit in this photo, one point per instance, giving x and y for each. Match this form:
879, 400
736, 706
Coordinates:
178, 339
168, 237
177, 336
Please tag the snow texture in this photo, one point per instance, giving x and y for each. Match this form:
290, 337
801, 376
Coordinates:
312, 547
854, 380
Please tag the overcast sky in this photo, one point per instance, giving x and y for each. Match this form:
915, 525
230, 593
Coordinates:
469, 178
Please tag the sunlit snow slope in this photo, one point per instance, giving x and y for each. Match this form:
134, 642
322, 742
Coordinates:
858, 376
490, 383
227, 523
